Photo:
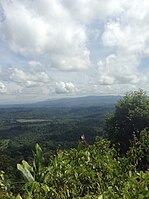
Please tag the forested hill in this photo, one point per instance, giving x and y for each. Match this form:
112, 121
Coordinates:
86, 101
80, 101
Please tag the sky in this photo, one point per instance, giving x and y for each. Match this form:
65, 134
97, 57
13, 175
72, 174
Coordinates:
65, 48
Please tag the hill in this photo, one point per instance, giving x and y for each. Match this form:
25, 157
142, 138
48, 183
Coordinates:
86, 101
80, 101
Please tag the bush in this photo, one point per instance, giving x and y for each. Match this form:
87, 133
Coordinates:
94, 171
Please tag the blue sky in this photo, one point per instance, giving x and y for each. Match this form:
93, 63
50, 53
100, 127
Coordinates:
66, 48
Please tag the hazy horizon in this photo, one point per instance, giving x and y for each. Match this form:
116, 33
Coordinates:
53, 99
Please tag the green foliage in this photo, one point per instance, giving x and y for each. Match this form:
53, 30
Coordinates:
26, 170
93, 171
2, 181
38, 163
5, 192
137, 187
139, 151
35, 172
131, 115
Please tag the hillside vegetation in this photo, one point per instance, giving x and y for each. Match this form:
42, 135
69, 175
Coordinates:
113, 167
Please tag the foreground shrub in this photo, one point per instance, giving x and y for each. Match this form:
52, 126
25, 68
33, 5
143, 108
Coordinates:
93, 171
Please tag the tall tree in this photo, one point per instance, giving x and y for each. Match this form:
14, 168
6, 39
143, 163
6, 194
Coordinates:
131, 115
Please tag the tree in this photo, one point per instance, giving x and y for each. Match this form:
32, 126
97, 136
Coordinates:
131, 115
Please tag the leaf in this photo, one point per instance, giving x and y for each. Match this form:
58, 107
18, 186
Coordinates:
100, 197
25, 170
140, 196
38, 159
27, 166
18, 197
45, 188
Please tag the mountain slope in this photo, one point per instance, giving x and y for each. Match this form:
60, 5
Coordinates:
80, 101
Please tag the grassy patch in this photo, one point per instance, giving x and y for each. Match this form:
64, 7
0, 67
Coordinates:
32, 120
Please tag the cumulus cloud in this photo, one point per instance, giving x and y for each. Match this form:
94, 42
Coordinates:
2, 16
88, 10
65, 88
35, 66
119, 69
28, 79
128, 36
46, 27
25, 84
130, 30
3, 88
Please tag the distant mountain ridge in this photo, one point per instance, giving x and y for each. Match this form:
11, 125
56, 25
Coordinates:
70, 102
80, 101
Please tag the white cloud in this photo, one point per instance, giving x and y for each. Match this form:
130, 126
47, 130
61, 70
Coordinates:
119, 69
87, 10
65, 88
28, 79
25, 85
3, 88
75, 63
35, 66
128, 36
46, 27
130, 30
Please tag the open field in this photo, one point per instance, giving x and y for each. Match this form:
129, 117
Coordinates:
32, 121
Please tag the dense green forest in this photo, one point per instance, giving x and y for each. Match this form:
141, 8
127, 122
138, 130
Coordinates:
22, 127
114, 165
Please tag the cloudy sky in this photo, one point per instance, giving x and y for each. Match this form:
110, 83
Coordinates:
62, 48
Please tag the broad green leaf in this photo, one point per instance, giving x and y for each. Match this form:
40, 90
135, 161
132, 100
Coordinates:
26, 173
140, 196
38, 159
27, 166
18, 197
100, 197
